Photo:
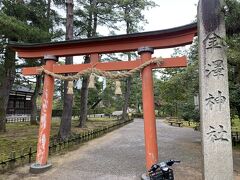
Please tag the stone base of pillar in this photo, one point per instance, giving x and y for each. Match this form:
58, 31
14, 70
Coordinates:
37, 168
145, 177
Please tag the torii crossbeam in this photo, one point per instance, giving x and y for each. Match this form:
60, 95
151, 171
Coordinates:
145, 43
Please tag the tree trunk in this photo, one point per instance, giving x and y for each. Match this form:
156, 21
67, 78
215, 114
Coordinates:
92, 29
95, 20
48, 9
33, 120
84, 98
128, 81
90, 20
65, 126
6, 83
69, 23
127, 97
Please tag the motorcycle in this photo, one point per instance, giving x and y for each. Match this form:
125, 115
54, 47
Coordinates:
162, 171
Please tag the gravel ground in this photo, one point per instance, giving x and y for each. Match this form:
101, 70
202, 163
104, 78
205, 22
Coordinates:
120, 155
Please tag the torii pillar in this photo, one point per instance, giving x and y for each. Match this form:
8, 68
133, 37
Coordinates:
150, 133
41, 164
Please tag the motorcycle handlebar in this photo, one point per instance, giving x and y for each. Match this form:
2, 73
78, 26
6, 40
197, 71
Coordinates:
171, 162
168, 163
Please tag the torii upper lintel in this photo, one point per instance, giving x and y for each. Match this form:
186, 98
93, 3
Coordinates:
161, 39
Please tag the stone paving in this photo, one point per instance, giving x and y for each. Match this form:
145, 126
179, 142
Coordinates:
120, 155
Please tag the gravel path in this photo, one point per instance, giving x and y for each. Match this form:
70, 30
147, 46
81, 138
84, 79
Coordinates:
120, 155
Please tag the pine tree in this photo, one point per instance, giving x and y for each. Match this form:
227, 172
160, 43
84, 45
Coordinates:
65, 126
19, 21
89, 16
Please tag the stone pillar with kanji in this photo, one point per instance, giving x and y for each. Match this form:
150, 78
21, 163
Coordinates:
214, 93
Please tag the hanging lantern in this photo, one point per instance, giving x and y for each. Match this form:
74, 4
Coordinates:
70, 87
91, 82
118, 90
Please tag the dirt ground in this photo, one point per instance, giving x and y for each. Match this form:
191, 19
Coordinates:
120, 155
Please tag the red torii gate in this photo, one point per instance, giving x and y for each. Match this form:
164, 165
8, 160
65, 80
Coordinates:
145, 43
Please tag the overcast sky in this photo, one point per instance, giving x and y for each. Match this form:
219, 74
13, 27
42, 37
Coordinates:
169, 14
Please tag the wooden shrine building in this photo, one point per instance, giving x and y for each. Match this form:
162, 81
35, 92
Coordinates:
19, 102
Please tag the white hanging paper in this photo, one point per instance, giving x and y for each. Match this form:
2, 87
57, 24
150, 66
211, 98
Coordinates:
104, 83
79, 83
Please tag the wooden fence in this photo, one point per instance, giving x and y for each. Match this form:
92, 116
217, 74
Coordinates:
28, 155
